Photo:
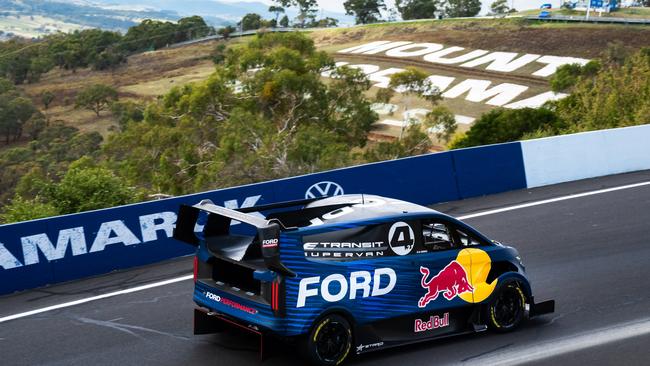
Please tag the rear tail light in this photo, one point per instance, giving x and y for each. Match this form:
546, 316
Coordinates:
274, 295
196, 267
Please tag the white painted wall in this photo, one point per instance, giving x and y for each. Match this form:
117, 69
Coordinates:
586, 155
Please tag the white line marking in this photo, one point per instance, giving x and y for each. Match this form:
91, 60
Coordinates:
540, 351
95, 298
183, 278
551, 200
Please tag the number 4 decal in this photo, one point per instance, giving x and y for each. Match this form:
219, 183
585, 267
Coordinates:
401, 238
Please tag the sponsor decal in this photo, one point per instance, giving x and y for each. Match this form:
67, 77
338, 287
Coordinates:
324, 189
434, 322
229, 303
212, 296
358, 203
95, 238
270, 243
337, 287
401, 238
363, 347
451, 281
344, 249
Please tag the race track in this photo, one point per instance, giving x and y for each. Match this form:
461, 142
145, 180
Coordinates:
590, 253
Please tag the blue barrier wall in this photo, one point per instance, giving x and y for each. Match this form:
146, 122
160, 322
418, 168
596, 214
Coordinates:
41, 252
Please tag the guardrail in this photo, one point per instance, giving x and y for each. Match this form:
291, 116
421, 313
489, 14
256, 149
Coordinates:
591, 19
57, 249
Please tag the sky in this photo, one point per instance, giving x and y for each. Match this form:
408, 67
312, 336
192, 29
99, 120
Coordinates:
337, 5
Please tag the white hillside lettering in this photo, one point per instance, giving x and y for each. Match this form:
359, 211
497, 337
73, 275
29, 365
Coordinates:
502, 61
478, 91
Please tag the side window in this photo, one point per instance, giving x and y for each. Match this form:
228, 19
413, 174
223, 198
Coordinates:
436, 236
467, 240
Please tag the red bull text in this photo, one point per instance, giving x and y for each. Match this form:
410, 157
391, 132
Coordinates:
434, 322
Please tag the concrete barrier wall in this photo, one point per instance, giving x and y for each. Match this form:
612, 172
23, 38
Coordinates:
41, 252
586, 155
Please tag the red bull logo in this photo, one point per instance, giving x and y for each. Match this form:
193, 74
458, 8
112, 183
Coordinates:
451, 281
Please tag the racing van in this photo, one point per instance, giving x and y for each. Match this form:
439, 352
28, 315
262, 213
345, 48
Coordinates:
350, 274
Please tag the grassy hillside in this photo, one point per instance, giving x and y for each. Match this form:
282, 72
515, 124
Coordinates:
151, 74
144, 77
510, 34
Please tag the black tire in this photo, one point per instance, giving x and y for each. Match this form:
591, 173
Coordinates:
507, 307
330, 341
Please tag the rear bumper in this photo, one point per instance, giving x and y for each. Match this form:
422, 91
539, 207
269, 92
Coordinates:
239, 309
207, 322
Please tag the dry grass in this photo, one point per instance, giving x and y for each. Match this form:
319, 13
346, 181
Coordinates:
144, 77
513, 35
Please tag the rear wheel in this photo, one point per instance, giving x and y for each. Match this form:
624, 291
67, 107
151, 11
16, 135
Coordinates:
330, 340
507, 307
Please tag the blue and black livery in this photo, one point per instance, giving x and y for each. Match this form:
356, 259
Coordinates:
351, 274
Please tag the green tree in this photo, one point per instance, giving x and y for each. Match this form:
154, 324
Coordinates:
35, 125
505, 125
193, 27
615, 96
127, 112
417, 9
462, 8
499, 7
47, 97
151, 35
251, 21
568, 75
616, 54
226, 31
284, 22
14, 112
414, 82
307, 10
365, 11
25, 170
6, 86
109, 59
277, 10
38, 66
443, 123
87, 187
325, 23
240, 127
384, 95
96, 98
219, 54
21, 209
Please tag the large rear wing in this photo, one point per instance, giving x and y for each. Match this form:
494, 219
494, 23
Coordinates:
218, 226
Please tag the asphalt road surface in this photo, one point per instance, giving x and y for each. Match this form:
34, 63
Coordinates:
590, 253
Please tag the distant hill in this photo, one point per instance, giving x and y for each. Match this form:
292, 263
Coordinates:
33, 18
232, 11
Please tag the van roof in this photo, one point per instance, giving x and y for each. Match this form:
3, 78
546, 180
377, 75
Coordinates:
346, 208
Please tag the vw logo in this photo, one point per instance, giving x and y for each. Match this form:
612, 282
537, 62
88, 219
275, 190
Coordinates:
324, 189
